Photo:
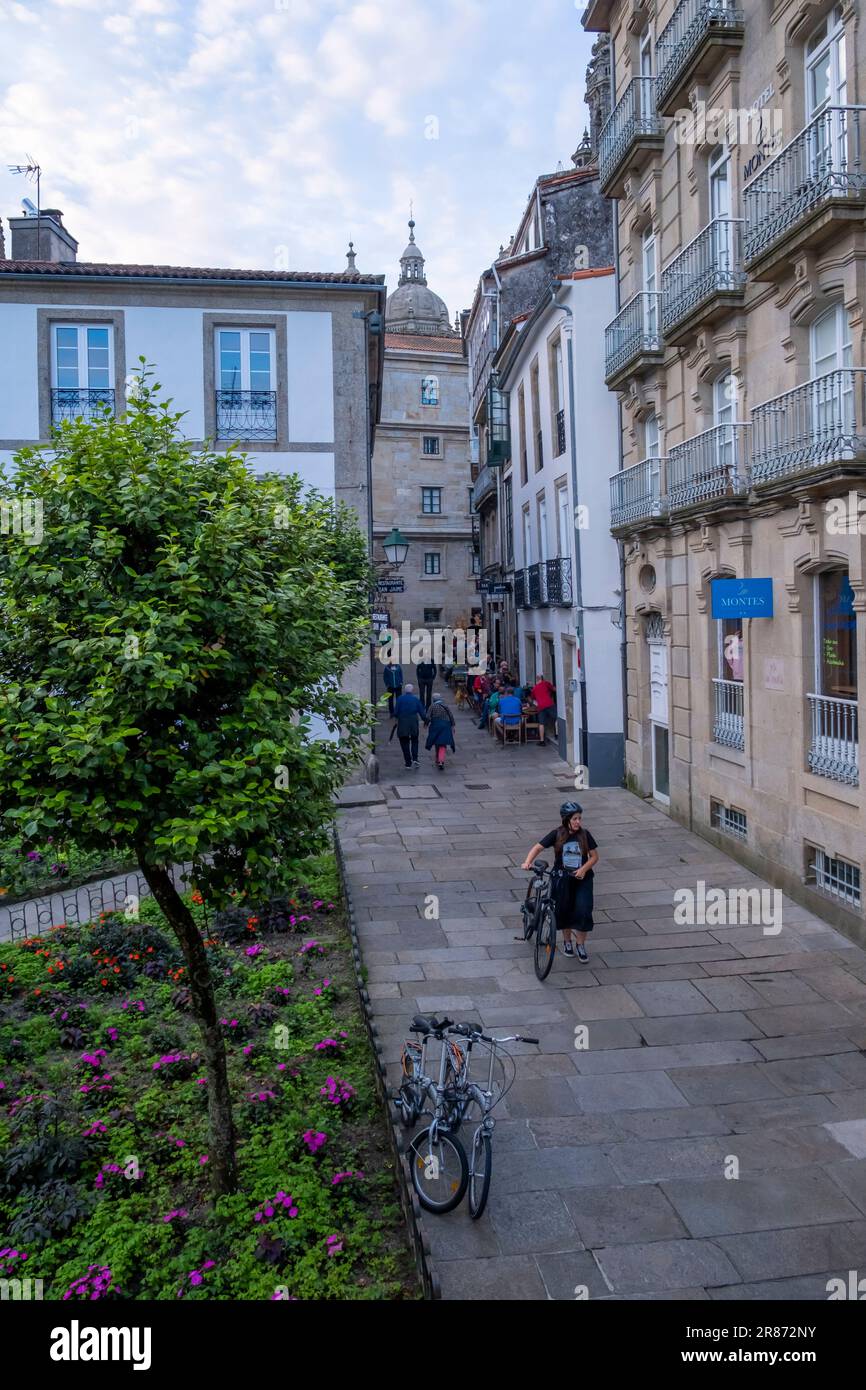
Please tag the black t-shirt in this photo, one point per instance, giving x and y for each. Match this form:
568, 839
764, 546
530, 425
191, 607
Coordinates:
570, 856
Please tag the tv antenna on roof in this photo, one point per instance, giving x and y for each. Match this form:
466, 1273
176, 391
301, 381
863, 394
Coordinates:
32, 171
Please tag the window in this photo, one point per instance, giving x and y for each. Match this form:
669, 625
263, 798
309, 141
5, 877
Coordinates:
724, 417
82, 371
645, 54
536, 415
431, 500
825, 66
835, 636
246, 399
431, 444
509, 523
432, 615
834, 876
430, 390
542, 529
527, 538
476, 563
650, 283
563, 520
521, 426
652, 437
729, 820
432, 562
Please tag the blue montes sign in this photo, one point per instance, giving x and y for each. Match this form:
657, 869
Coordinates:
742, 598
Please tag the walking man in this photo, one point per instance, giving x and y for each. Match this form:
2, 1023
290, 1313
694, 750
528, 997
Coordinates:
409, 710
392, 677
426, 676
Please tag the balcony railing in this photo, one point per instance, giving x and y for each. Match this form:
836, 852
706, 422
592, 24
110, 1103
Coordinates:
728, 714
822, 166
87, 404
484, 486
694, 23
557, 582
246, 415
709, 467
634, 121
819, 423
560, 432
636, 493
636, 330
711, 264
834, 749
546, 584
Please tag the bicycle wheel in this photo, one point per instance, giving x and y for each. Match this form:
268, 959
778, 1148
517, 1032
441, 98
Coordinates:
480, 1169
440, 1170
545, 942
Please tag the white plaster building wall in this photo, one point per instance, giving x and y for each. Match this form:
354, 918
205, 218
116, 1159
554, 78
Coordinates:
593, 302
171, 340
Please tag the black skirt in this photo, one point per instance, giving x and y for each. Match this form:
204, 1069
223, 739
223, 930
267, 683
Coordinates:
573, 902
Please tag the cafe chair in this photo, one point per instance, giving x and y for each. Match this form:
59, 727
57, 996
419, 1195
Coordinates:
509, 733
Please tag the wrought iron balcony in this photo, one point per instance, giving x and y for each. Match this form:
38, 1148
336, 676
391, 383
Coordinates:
689, 46
77, 404
820, 176
484, 487
533, 586
819, 425
633, 127
560, 432
834, 749
556, 582
709, 467
246, 415
521, 599
634, 338
728, 714
706, 276
637, 494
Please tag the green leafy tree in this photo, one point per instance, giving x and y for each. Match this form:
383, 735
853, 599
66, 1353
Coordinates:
163, 650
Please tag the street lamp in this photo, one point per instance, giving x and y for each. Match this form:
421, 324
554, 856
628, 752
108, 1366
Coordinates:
395, 547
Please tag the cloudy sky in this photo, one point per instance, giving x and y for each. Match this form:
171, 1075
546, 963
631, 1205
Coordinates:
265, 133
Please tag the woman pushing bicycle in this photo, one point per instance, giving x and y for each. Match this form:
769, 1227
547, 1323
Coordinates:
575, 855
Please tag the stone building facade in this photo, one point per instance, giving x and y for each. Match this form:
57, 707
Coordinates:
735, 153
421, 462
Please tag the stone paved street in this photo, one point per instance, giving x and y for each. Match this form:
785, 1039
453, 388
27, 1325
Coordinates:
706, 1044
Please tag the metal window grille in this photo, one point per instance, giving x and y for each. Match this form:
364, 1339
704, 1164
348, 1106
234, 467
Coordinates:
730, 821
836, 877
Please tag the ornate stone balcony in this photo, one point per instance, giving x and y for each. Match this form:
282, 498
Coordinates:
629, 135
814, 431
710, 468
802, 195
633, 340
699, 35
704, 280
637, 495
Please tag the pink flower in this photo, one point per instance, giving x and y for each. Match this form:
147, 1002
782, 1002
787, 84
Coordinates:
314, 1140
203, 1158
254, 950
334, 1244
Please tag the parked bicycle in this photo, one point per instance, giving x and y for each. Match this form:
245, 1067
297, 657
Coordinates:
539, 917
441, 1171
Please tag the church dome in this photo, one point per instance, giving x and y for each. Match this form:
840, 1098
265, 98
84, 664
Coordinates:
413, 307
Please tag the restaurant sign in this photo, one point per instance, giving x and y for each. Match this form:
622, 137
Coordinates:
490, 586
742, 598
390, 586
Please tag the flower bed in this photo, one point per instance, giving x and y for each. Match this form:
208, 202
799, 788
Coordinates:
103, 1117
29, 871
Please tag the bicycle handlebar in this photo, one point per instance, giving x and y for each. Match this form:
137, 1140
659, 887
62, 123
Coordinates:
466, 1030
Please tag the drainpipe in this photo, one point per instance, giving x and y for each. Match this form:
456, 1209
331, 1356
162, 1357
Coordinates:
578, 577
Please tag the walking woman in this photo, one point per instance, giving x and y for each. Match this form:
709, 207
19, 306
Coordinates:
575, 854
441, 735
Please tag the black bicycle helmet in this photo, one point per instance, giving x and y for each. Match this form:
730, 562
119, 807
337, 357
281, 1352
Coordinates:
570, 808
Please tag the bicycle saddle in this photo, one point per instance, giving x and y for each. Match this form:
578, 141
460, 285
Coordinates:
420, 1024
539, 866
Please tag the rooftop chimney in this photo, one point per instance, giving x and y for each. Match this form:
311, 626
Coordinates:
42, 238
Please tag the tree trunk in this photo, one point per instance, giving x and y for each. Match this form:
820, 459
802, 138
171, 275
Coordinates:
222, 1160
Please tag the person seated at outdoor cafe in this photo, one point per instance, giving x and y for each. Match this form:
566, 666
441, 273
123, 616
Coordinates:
491, 704
510, 710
